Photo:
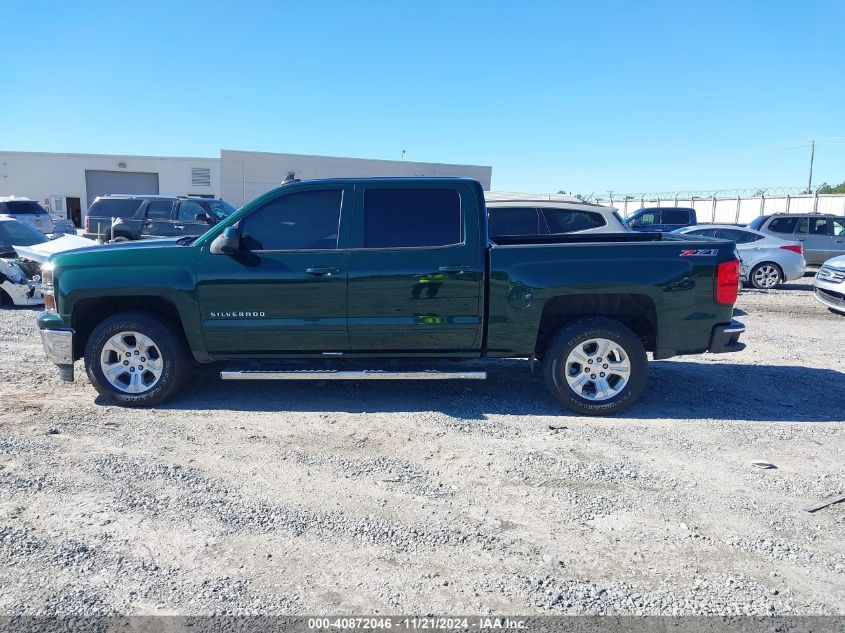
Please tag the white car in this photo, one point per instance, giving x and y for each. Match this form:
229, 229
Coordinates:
766, 261
830, 284
27, 211
522, 214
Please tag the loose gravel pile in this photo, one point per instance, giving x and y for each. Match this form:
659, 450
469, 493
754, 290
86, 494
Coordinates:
423, 497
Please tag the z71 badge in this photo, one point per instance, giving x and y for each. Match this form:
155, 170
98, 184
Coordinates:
699, 252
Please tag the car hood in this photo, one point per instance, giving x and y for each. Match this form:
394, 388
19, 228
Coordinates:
138, 245
836, 262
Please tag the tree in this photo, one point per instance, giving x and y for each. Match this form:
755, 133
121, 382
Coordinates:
826, 188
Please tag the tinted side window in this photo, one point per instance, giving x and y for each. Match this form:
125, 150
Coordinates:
397, 218
188, 210
812, 226
838, 227
783, 225
567, 221
306, 220
117, 208
25, 207
703, 232
740, 237
650, 217
159, 209
676, 216
513, 221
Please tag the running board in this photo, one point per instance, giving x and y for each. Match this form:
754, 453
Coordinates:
365, 374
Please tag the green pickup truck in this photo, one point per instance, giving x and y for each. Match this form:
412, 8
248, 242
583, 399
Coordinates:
386, 278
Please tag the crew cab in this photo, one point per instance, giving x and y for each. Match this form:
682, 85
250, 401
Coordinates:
386, 278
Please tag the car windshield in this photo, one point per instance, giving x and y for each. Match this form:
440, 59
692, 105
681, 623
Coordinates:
756, 223
221, 208
19, 234
25, 207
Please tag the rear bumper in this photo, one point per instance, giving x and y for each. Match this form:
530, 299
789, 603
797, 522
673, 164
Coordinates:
725, 338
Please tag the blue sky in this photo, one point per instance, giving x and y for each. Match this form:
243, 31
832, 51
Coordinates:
583, 97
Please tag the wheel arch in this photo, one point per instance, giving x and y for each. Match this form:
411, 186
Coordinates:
635, 311
88, 313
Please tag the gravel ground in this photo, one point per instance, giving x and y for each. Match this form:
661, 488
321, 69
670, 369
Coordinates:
445, 498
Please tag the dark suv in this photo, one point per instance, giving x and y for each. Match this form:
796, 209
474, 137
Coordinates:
131, 217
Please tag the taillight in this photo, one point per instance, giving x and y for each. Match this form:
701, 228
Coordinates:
727, 282
795, 248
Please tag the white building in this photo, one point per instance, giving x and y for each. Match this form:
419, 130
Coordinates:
68, 183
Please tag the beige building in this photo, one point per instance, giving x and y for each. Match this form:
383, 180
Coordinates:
68, 183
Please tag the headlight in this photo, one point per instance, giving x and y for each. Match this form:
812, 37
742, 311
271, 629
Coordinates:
47, 286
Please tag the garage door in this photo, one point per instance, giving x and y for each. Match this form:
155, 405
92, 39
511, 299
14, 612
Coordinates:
100, 183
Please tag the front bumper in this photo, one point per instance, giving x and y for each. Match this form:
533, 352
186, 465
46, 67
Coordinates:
725, 338
58, 347
831, 295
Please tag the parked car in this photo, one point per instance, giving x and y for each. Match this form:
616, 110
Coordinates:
20, 279
63, 226
395, 273
829, 284
767, 261
130, 217
661, 219
27, 211
823, 235
544, 217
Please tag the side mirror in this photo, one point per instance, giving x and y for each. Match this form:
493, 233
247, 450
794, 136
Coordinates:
227, 243
202, 216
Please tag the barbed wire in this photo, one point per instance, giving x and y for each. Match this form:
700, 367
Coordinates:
748, 192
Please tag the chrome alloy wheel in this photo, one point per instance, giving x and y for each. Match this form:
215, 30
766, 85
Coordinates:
597, 369
766, 276
131, 362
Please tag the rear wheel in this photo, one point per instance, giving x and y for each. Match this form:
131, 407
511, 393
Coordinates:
596, 366
134, 359
766, 275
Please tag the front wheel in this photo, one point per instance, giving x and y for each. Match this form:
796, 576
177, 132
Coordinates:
766, 275
596, 366
134, 359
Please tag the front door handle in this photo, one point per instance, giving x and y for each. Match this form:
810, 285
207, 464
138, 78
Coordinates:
455, 269
322, 271
180, 227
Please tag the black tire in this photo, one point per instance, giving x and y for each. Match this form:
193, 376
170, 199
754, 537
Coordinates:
117, 239
174, 354
579, 333
755, 284
4, 298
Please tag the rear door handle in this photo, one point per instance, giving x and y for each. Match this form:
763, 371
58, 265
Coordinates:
322, 271
455, 269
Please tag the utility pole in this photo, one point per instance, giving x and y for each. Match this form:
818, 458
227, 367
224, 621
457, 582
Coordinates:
812, 156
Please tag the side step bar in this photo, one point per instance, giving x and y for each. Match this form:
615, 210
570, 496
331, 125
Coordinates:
365, 374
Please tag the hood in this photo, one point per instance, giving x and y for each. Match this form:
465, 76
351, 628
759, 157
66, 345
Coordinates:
137, 245
41, 252
837, 262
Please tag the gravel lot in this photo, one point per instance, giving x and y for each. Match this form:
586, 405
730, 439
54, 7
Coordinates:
431, 497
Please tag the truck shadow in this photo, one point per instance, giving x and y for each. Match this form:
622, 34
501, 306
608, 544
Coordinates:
676, 390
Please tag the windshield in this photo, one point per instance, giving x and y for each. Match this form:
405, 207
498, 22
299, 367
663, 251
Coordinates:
221, 208
19, 234
757, 222
25, 207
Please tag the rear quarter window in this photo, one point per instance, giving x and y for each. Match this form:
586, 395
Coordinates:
569, 220
114, 208
783, 225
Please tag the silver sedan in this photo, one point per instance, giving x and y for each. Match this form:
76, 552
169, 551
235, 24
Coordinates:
766, 261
